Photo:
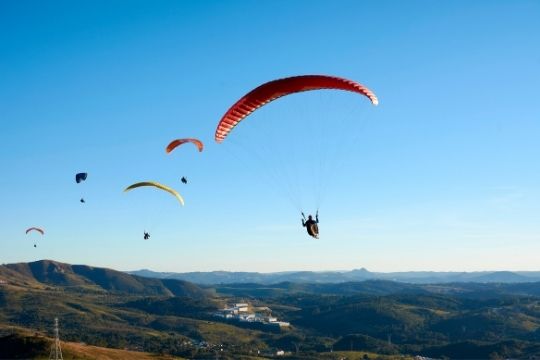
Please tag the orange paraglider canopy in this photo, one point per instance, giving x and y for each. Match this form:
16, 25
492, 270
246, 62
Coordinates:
175, 143
275, 89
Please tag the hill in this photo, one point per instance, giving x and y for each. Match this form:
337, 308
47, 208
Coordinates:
52, 273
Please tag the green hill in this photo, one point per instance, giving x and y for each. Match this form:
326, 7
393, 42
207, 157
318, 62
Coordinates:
52, 273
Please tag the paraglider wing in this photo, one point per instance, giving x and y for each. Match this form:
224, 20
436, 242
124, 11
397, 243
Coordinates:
159, 186
35, 229
80, 177
273, 90
175, 143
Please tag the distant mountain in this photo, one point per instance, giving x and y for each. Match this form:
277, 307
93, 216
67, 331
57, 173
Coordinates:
414, 277
226, 277
501, 277
366, 287
51, 273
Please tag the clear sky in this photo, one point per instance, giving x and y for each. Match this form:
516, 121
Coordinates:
443, 175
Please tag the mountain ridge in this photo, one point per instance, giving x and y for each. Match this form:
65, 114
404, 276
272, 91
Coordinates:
362, 274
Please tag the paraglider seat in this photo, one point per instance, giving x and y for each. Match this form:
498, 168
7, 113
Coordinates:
313, 230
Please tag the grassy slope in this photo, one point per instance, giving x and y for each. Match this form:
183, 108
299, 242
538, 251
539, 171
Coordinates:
87, 352
101, 317
36, 346
359, 355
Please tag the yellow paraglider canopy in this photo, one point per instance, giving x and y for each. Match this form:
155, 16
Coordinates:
159, 186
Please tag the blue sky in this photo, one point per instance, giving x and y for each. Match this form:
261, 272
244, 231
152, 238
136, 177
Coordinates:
443, 175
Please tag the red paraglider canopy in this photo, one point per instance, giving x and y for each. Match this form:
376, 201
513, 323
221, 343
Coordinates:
175, 143
277, 88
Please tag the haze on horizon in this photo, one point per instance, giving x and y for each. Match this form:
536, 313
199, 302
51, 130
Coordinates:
444, 175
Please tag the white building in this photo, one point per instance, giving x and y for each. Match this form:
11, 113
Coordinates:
247, 317
242, 312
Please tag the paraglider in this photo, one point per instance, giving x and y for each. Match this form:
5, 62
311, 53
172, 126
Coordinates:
175, 143
270, 91
158, 186
79, 177
273, 90
311, 225
37, 230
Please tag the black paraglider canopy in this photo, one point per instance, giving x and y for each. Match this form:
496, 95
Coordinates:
80, 177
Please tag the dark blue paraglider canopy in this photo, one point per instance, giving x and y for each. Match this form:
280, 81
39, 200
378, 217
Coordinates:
80, 177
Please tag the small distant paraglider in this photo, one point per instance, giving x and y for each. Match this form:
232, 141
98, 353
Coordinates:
79, 177
35, 229
159, 187
176, 143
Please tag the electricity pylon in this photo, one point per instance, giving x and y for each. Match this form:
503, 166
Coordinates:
56, 350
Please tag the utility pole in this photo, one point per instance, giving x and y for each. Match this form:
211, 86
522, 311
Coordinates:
56, 350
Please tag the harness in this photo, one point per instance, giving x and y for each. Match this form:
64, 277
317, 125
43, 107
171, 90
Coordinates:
313, 230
